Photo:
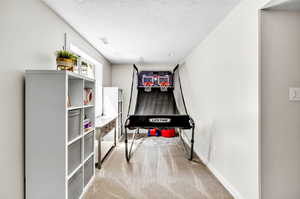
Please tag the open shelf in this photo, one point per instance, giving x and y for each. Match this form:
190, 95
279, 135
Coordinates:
89, 114
75, 94
89, 94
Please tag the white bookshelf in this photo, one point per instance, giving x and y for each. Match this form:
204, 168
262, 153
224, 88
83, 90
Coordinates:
59, 155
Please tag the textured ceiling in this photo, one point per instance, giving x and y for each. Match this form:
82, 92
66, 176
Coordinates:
143, 31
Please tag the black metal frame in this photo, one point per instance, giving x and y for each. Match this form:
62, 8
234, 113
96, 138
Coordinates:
127, 127
128, 153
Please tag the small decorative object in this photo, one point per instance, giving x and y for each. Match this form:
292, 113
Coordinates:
87, 124
91, 72
65, 60
84, 68
76, 65
87, 69
88, 96
68, 101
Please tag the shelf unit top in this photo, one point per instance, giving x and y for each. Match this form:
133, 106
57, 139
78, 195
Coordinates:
70, 74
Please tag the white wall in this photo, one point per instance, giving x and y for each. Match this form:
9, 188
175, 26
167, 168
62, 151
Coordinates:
30, 34
122, 76
221, 85
280, 117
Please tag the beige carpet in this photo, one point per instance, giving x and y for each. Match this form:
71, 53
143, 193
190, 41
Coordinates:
158, 169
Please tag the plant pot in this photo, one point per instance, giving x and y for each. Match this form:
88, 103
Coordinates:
65, 64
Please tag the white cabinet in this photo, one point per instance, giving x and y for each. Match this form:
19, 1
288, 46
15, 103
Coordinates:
60, 133
113, 106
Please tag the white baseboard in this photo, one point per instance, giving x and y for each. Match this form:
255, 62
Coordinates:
228, 186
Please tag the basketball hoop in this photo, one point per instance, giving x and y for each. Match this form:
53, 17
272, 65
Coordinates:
164, 86
148, 86
148, 82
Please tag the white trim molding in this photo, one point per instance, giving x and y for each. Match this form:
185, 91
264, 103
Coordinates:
228, 186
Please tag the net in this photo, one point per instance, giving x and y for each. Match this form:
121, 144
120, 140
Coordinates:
178, 95
134, 93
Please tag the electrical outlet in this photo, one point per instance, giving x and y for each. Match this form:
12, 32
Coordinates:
294, 94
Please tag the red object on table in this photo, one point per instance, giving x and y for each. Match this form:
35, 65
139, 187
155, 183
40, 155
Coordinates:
168, 133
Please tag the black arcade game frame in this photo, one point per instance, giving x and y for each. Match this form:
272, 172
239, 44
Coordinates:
156, 109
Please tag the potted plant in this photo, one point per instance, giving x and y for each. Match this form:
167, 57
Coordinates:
65, 60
